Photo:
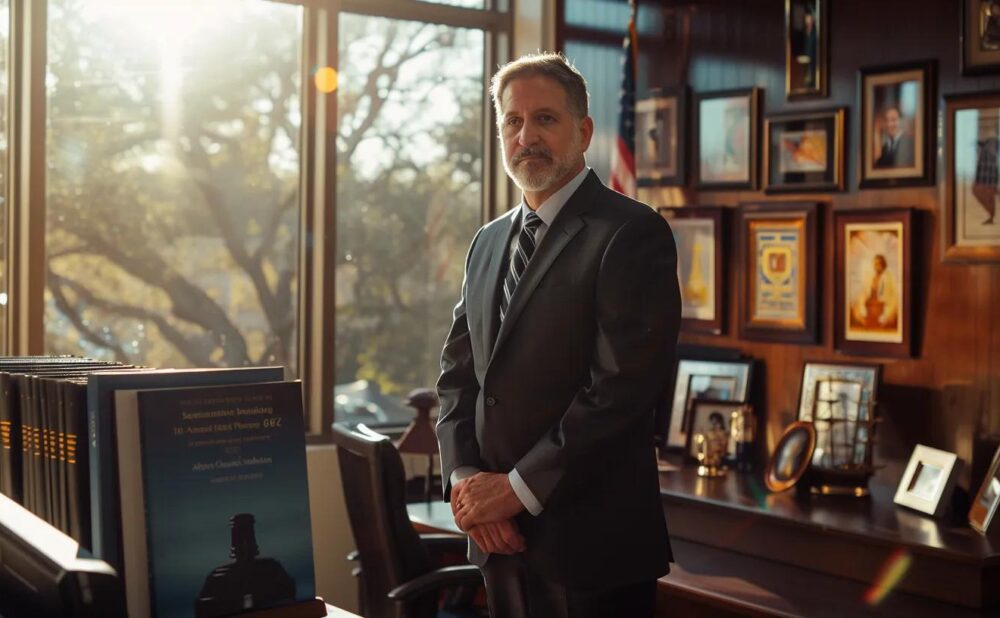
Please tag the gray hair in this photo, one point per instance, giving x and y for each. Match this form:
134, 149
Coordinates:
551, 65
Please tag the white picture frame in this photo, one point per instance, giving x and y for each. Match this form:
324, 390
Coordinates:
928, 480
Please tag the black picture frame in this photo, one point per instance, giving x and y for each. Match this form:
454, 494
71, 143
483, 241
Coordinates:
806, 49
897, 102
979, 39
804, 152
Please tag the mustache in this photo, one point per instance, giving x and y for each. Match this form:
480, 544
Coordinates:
531, 151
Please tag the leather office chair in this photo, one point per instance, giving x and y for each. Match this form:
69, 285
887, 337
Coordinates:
398, 577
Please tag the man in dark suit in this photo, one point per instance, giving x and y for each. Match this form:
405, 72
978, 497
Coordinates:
897, 146
561, 342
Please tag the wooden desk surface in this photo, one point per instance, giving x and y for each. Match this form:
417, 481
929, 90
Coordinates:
336, 612
434, 516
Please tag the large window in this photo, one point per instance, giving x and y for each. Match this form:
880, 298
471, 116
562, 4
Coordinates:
409, 199
172, 181
221, 183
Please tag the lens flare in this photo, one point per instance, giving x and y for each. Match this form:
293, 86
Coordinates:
891, 574
326, 79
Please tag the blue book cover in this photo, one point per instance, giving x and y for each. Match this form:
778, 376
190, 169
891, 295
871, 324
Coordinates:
104, 507
223, 480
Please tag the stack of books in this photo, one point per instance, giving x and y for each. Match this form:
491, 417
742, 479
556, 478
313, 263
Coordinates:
191, 483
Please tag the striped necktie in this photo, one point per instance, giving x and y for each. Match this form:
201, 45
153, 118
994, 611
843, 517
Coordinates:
519, 259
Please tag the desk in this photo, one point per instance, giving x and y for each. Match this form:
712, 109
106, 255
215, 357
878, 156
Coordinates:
434, 516
708, 580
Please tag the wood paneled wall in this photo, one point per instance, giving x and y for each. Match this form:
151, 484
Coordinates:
950, 390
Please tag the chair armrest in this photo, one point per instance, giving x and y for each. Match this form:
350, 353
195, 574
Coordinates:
464, 575
445, 543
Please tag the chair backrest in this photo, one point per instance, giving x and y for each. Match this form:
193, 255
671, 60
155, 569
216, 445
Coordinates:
389, 549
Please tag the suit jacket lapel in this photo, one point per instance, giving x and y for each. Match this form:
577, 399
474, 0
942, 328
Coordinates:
495, 273
568, 222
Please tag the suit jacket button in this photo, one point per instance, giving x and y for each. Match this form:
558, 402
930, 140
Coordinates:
490, 401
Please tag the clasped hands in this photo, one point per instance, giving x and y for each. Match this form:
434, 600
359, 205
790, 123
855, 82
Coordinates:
484, 505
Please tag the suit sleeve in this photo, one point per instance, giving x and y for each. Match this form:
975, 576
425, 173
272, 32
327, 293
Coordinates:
638, 318
458, 389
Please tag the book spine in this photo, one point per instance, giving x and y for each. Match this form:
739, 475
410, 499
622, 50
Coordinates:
77, 470
10, 439
27, 444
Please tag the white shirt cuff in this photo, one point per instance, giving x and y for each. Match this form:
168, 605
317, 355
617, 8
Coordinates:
462, 472
524, 494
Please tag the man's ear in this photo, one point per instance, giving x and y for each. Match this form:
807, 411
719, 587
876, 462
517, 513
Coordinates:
586, 132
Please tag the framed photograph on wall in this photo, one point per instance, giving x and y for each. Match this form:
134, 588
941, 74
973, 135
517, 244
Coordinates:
700, 379
698, 233
928, 481
806, 49
804, 152
660, 126
897, 120
726, 144
845, 391
971, 228
980, 37
777, 271
874, 286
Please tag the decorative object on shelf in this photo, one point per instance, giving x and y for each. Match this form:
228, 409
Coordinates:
804, 152
980, 37
778, 272
897, 120
806, 49
742, 433
661, 138
711, 418
420, 437
984, 507
971, 229
840, 400
699, 233
726, 144
791, 456
874, 287
700, 379
928, 480
709, 451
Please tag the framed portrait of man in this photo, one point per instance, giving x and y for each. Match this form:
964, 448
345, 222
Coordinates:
778, 272
806, 49
873, 290
726, 144
897, 118
660, 126
698, 234
971, 228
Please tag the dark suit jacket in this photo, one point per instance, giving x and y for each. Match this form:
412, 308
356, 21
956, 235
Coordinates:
565, 388
901, 156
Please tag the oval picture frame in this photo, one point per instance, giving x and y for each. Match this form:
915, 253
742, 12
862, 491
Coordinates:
791, 457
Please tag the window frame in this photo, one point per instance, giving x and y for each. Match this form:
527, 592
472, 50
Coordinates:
26, 190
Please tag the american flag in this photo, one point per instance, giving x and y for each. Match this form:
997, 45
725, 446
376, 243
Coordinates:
623, 157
